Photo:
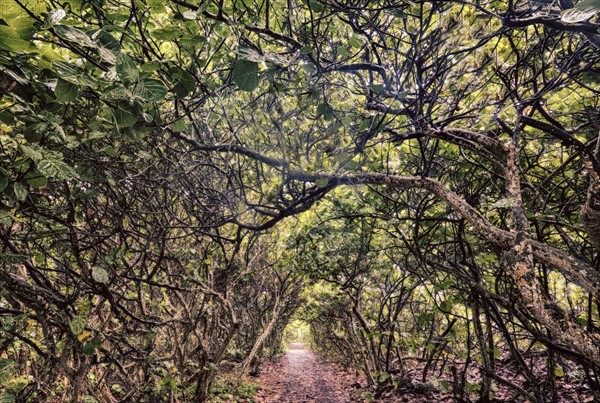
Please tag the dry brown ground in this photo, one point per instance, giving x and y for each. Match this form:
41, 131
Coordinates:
300, 376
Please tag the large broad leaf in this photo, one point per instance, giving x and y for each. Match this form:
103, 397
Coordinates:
106, 40
136, 133
53, 18
150, 90
107, 55
326, 111
19, 191
78, 324
184, 81
4, 179
124, 115
55, 168
10, 40
32, 152
582, 11
322, 182
251, 54
126, 69
166, 34
36, 179
12, 258
245, 75
74, 74
74, 35
67, 71
88, 349
100, 275
178, 125
66, 91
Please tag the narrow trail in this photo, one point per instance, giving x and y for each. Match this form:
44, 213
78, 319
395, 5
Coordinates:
301, 377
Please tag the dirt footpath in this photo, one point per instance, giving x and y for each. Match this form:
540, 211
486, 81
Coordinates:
301, 377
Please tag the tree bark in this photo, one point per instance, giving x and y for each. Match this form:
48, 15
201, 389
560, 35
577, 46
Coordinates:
261, 339
519, 263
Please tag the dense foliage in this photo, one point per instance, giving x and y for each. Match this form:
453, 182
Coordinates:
417, 180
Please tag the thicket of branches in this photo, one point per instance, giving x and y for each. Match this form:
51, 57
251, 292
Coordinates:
174, 174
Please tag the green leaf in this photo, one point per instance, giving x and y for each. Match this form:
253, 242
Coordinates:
10, 40
376, 88
66, 91
7, 397
326, 111
78, 324
117, 92
20, 191
424, 318
167, 34
184, 81
107, 55
12, 258
383, 376
582, 11
55, 168
74, 35
150, 90
126, 69
36, 179
351, 165
124, 115
3, 182
356, 41
322, 182
178, 125
136, 133
306, 50
245, 75
190, 15
106, 40
32, 152
309, 68
110, 151
472, 386
446, 305
559, 372
34, 133
91, 346
99, 275
343, 51
250, 54
53, 18
316, 6
68, 71
151, 67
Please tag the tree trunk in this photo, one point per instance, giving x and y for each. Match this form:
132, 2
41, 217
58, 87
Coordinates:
519, 263
261, 339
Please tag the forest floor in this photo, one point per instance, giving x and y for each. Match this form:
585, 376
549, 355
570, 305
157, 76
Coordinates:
300, 376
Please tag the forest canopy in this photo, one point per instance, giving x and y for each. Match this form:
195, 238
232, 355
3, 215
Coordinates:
419, 181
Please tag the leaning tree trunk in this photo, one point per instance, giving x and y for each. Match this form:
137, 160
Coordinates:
519, 262
261, 339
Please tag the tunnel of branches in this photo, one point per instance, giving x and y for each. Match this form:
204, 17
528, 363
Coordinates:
417, 181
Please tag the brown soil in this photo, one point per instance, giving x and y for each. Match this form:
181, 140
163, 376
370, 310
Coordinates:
300, 376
